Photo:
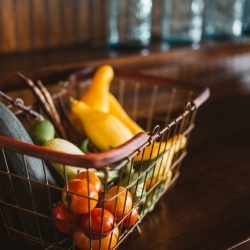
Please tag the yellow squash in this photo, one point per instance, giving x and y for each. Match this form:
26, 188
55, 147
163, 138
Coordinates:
169, 148
96, 95
104, 130
173, 144
117, 110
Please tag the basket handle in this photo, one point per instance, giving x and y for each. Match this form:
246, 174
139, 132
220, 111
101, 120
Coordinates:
202, 97
201, 92
91, 160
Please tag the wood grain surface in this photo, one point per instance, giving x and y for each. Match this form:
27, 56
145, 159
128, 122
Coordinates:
208, 208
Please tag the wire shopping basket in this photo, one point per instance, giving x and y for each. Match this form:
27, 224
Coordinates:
133, 176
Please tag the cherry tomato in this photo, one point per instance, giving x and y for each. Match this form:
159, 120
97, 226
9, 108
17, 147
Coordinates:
130, 218
85, 243
118, 201
81, 196
99, 221
64, 219
92, 178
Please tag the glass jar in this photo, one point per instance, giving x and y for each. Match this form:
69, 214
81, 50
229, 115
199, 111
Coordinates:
182, 21
223, 18
246, 19
129, 23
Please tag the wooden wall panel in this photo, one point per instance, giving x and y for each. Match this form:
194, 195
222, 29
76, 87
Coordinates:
39, 24
98, 20
27, 25
53, 23
67, 28
82, 12
7, 26
23, 24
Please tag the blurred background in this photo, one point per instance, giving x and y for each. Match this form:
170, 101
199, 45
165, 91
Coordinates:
28, 25
205, 41
45, 36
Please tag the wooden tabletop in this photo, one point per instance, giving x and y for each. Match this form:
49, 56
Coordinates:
209, 206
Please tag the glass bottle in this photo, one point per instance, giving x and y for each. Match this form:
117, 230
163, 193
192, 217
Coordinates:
129, 23
223, 18
246, 19
182, 21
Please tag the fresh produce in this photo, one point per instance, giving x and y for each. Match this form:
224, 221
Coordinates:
117, 110
51, 106
41, 131
104, 130
92, 178
173, 146
17, 186
153, 150
118, 201
46, 103
155, 186
141, 172
151, 182
130, 219
167, 179
99, 223
109, 242
138, 193
64, 219
84, 146
94, 203
108, 176
79, 196
96, 95
64, 146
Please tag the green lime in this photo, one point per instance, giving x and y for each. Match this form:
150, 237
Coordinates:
41, 130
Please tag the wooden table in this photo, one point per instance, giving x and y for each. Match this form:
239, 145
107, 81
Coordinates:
209, 206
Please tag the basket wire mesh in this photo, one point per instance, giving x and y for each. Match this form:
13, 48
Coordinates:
147, 166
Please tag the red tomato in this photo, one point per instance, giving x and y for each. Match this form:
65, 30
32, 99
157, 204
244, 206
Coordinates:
92, 178
85, 243
130, 218
64, 219
118, 201
81, 196
99, 221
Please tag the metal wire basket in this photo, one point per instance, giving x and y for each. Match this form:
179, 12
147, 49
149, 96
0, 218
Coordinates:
145, 166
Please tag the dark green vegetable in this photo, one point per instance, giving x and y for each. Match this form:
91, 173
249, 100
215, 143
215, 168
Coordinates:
150, 199
141, 172
25, 186
84, 146
138, 193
